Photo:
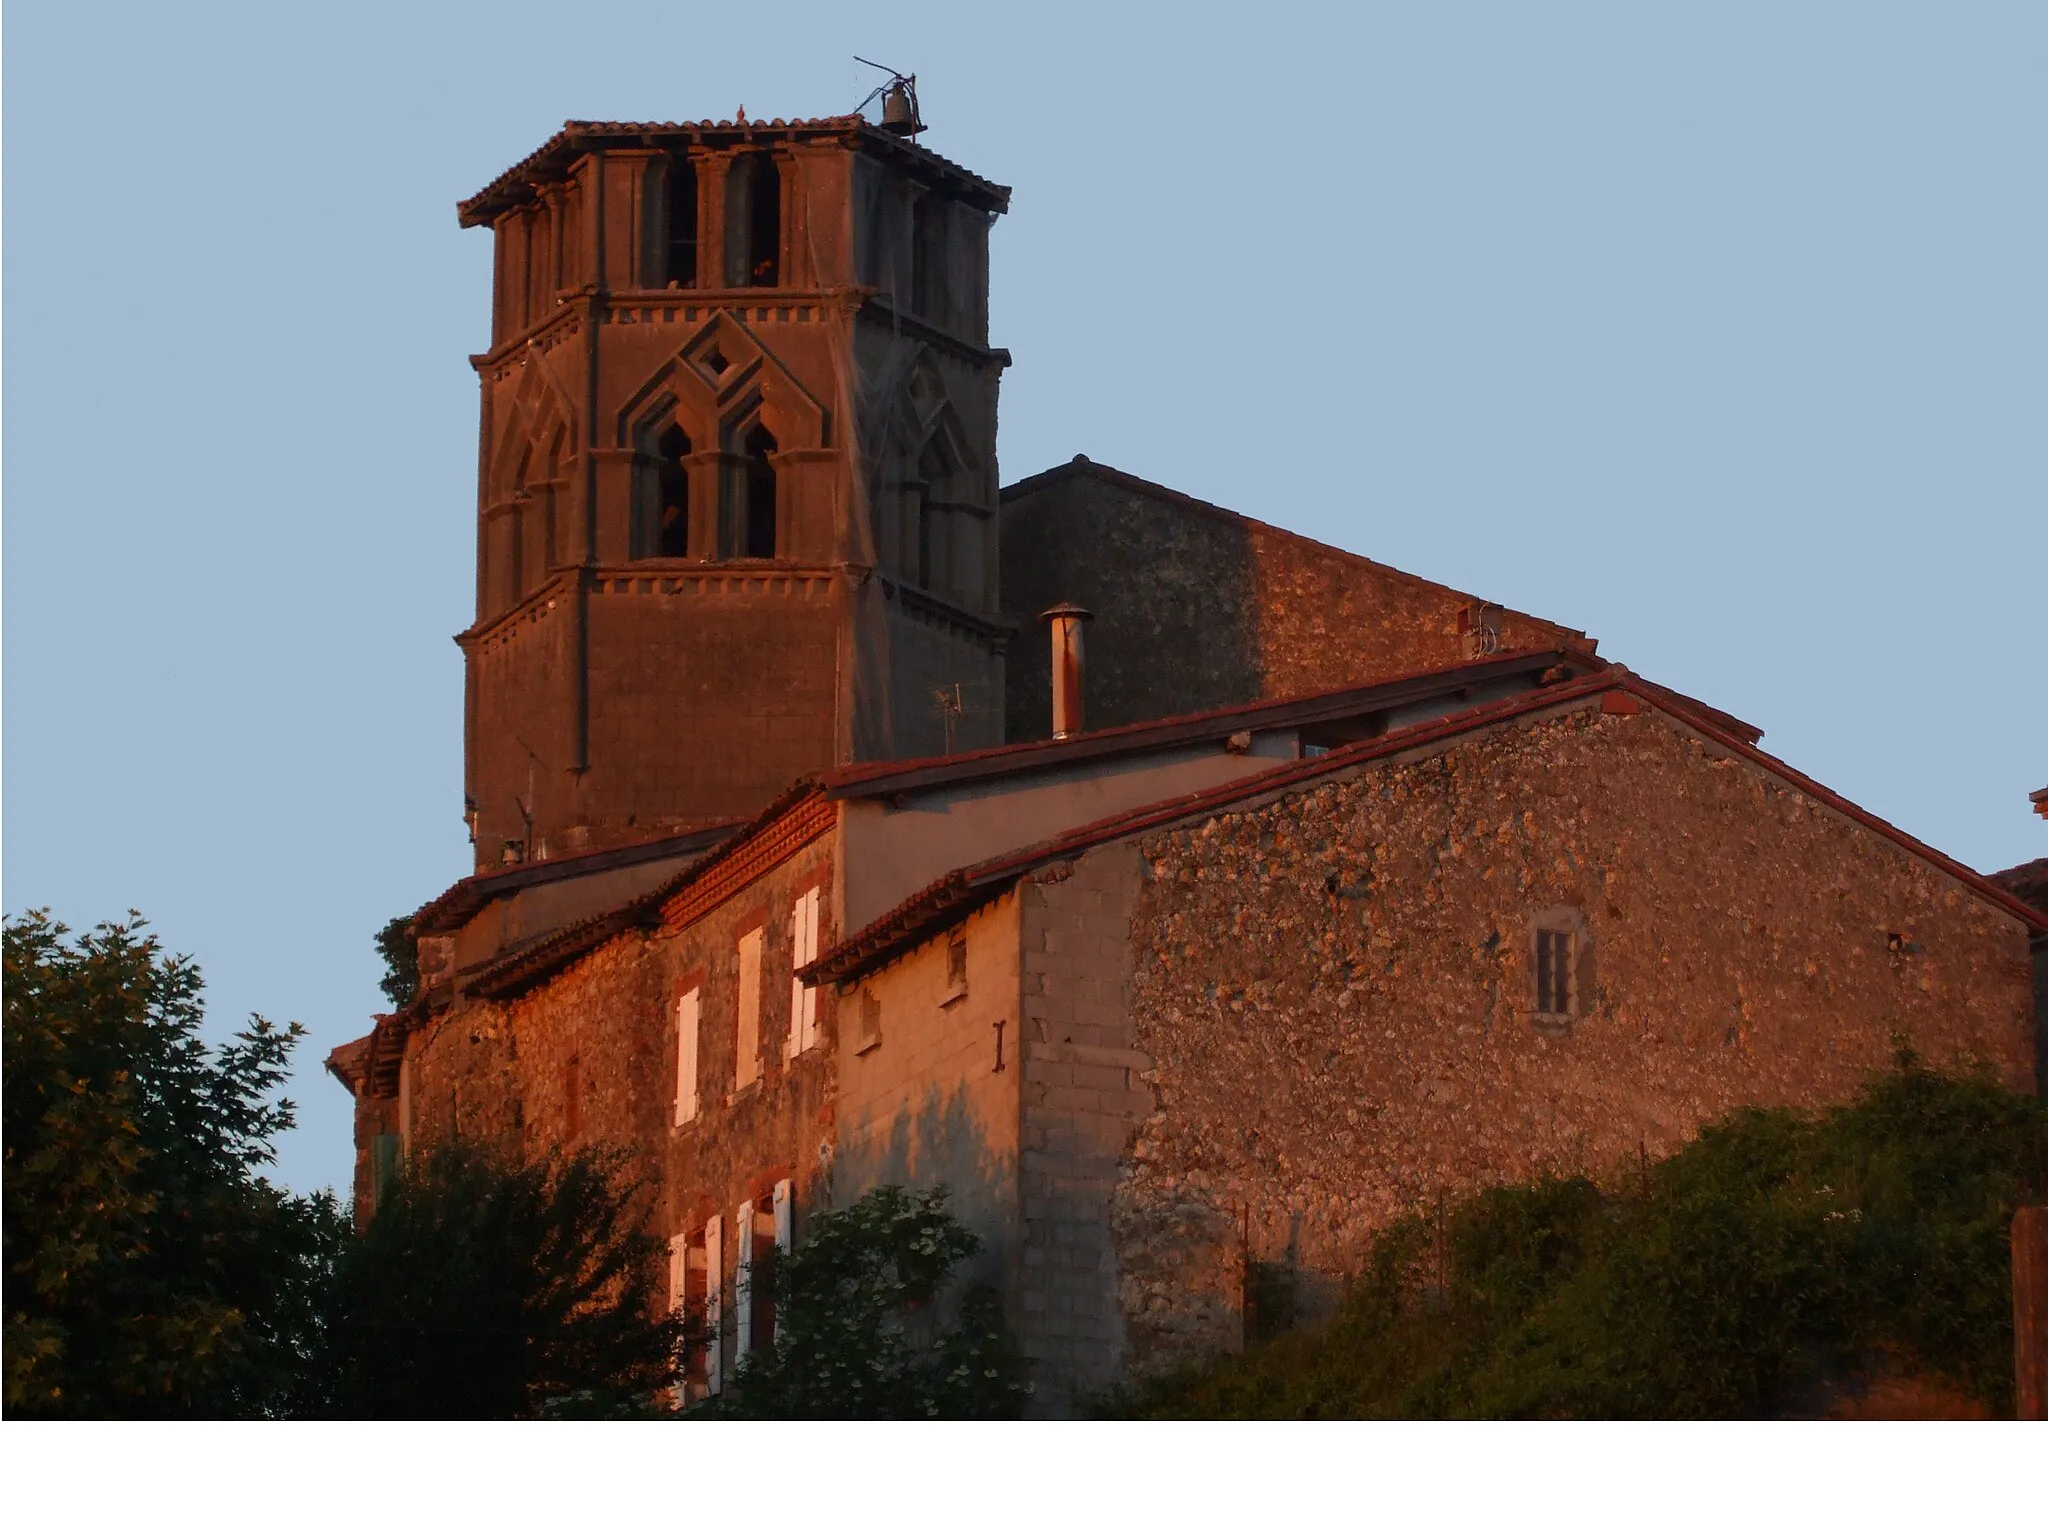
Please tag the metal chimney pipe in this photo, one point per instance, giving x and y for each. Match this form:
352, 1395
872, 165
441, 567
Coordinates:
1067, 663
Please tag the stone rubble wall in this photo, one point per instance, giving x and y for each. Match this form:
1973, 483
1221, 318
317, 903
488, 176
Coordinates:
1335, 993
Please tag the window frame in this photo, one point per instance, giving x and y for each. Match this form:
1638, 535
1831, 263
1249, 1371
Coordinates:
689, 1016
748, 951
805, 922
1576, 977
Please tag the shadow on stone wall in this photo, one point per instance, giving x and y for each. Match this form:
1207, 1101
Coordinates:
944, 1142
1174, 594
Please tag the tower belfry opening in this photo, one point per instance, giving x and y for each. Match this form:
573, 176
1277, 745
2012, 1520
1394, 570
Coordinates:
693, 582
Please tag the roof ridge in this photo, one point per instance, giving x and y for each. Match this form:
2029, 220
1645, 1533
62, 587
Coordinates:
929, 909
852, 775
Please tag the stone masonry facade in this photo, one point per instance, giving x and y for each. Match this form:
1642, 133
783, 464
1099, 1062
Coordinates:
1246, 610
740, 528
1333, 992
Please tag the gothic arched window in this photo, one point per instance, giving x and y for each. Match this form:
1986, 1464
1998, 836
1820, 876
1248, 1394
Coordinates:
753, 214
672, 516
681, 264
759, 503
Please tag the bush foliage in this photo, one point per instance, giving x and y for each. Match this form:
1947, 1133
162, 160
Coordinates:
1770, 1262
871, 1325
488, 1287
152, 1270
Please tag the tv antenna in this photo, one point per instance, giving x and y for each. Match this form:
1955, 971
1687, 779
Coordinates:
899, 101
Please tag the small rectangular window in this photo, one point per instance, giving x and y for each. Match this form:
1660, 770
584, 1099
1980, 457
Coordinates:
1554, 972
870, 1012
748, 1031
956, 968
686, 1057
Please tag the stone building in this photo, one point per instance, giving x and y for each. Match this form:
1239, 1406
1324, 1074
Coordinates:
1358, 890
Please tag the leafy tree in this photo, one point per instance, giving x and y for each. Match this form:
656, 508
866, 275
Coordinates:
1757, 1272
151, 1270
401, 955
869, 1326
487, 1287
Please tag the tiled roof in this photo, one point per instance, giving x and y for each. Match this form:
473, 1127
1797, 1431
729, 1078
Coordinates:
951, 897
868, 779
514, 186
469, 895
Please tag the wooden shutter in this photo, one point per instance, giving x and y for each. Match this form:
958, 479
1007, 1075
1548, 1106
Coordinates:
714, 1296
784, 1217
686, 1057
743, 1280
678, 1269
803, 1000
748, 1034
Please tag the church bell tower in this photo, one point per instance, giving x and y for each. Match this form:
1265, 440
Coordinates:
737, 481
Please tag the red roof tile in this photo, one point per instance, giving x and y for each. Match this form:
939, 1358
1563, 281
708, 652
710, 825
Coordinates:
513, 186
955, 894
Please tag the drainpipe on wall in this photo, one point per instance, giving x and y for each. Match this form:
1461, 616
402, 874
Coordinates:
1067, 660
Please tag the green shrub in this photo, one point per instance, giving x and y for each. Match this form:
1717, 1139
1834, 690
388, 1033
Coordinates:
152, 1269
870, 1325
488, 1287
1766, 1264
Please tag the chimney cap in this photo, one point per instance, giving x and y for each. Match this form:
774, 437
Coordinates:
1065, 611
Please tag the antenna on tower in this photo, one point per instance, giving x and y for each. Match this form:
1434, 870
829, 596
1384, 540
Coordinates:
899, 101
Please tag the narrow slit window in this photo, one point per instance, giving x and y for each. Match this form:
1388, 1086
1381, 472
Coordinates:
682, 223
1554, 972
672, 535
755, 448
764, 225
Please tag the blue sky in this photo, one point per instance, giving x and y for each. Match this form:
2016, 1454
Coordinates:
1715, 330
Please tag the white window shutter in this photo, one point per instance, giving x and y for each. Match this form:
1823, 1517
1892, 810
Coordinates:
743, 1281
794, 1044
809, 994
803, 1000
714, 1296
748, 1066
686, 1057
785, 1232
678, 1269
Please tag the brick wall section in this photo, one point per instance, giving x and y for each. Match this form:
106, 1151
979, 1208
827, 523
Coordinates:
1336, 989
1198, 608
1084, 1099
705, 704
